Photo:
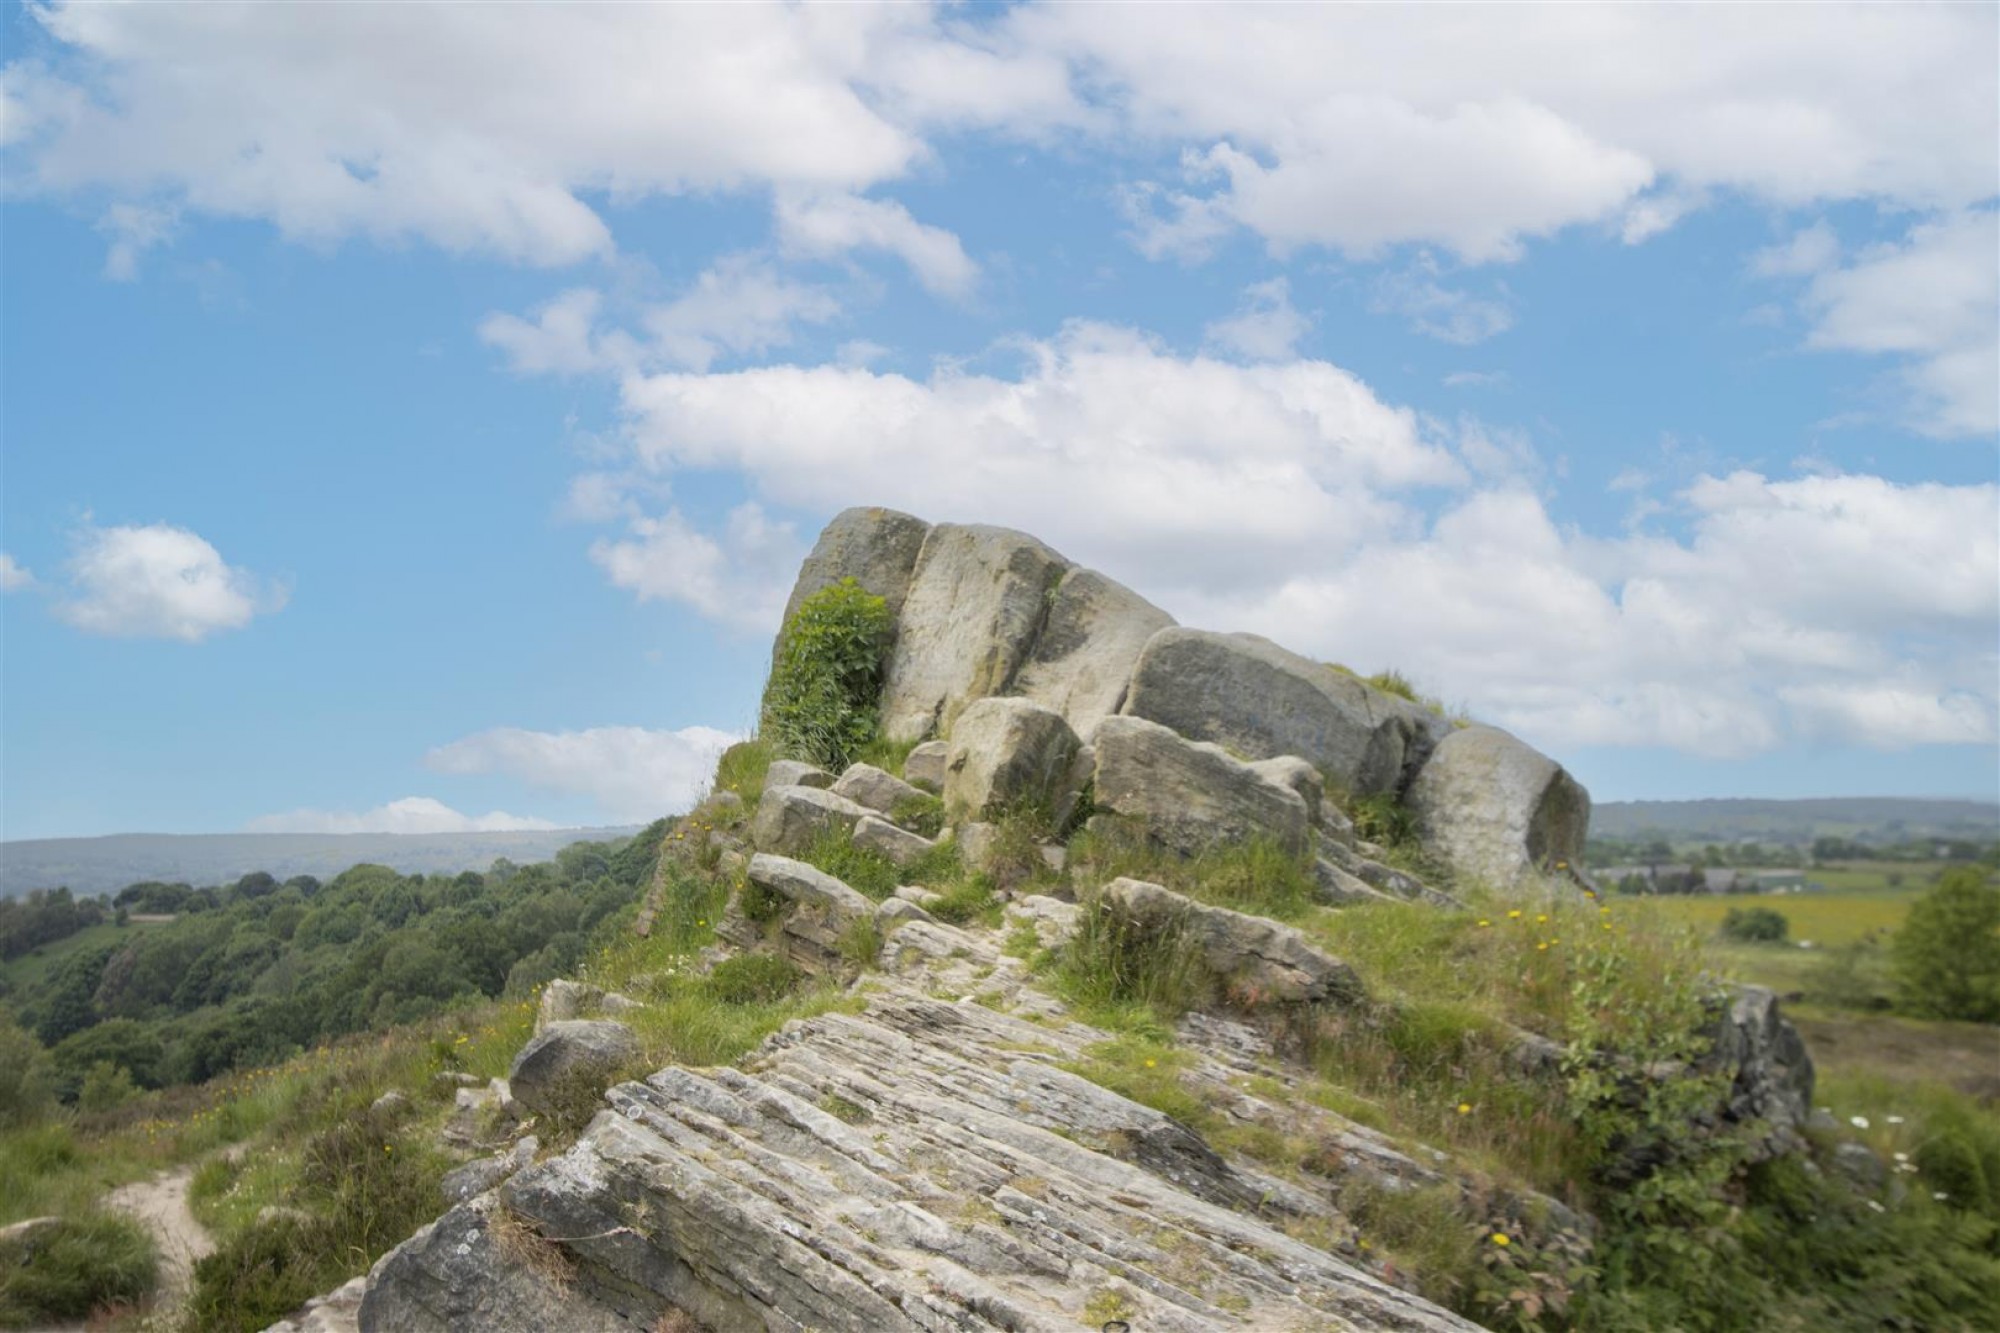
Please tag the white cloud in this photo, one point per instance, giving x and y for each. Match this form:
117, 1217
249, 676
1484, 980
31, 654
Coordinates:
1351, 127
411, 814
14, 576
1288, 499
159, 581
740, 304
739, 579
1361, 127
823, 226
1445, 313
633, 774
1477, 379
1265, 326
133, 229
1806, 251
1934, 301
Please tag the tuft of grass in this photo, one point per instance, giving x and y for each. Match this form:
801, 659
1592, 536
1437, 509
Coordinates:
741, 769
81, 1265
920, 814
867, 872
1258, 876
885, 754
753, 978
1124, 976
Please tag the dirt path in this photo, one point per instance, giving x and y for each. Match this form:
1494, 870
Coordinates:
161, 1205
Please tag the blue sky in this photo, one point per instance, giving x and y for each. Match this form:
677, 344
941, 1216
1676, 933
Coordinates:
413, 416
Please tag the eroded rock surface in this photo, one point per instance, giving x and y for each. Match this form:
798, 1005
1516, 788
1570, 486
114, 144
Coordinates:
1008, 754
925, 1165
1082, 660
789, 819
1499, 811
1191, 796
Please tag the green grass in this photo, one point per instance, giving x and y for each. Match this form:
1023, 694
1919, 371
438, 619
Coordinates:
1258, 877
1822, 918
89, 1262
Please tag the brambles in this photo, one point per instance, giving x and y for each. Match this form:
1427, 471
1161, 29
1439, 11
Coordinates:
820, 703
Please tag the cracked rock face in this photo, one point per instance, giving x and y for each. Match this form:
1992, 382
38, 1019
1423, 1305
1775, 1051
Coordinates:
925, 1165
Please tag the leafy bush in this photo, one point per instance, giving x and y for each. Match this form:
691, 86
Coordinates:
1947, 953
1755, 925
75, 1267
820, 704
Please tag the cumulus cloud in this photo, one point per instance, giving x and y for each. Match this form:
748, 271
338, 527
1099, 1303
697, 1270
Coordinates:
411, 814
1933, 301
1265, 326
1353, 128
1288, 499
160, 582
14, 575
633, 774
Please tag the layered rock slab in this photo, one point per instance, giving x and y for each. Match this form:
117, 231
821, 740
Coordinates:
927, 1166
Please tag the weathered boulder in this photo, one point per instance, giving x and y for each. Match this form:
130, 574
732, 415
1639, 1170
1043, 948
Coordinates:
1258, 961
1008, 754
789, 819
1082, 659
563, 999
1494, 809
795, 773
898, 844
924, 766
564, 1061
819, 912
1262, 702
1191, 795
877, 548
865, 784
480, 1268
977, 600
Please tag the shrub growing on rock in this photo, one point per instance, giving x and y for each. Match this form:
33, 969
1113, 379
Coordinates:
826, 684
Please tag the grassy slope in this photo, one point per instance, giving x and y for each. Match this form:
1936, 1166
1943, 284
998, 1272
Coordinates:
33, 967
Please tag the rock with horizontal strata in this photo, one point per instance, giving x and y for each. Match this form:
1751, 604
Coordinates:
920, 1166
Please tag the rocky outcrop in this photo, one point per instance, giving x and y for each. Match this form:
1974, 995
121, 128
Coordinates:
898, 844
1082, 660
977, 601
955, 1178
1773, 1072
1008, 754
1190, 796
565, 1059
1261, 701
790, 819
1256, 961
1498, 811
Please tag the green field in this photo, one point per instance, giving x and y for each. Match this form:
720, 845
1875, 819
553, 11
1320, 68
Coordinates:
1823, 918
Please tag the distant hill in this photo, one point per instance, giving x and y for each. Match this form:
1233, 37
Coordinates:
100, 865
1871, 819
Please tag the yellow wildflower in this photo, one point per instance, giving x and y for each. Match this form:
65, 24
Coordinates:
1500, 1238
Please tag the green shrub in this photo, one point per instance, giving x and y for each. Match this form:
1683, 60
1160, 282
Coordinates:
820, 704
1755, 925
753, 978
27, 1077
1947, 954
260, 1275
79, 1265
1383, 819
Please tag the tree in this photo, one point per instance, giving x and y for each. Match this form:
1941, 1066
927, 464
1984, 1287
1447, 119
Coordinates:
1947, 954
